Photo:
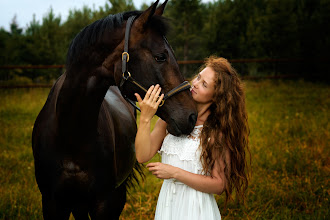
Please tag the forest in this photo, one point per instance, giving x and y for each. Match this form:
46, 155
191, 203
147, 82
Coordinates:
294, 32
288, 119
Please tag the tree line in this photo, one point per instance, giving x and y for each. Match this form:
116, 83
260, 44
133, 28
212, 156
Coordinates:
234, 29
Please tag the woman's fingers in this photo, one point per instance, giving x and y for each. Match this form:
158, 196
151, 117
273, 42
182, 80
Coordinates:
147, 96
154, 92
156, 97
160, 99
138, 98
151, 164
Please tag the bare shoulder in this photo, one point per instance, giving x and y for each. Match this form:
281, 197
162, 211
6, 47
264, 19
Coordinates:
161, 123
160, 126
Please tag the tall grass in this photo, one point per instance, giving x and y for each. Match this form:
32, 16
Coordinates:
289, 142
20, 196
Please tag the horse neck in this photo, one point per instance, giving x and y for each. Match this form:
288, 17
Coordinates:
89, 75
79, 102
82, 93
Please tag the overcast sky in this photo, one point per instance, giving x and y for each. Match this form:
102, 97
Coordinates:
24, 9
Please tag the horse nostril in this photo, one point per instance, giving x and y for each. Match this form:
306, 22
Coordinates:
193, 119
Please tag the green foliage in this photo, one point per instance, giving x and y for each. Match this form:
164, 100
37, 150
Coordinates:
13, 43
77, 20
118, 6
45, 44
187, 21
289, 142
4, 38
232, 29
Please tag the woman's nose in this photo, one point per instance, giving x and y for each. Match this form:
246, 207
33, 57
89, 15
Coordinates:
195, 85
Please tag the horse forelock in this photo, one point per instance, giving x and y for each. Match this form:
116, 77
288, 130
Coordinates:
159, 24
92, 33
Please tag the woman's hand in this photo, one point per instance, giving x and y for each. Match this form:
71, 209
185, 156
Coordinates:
161, 170
150, 103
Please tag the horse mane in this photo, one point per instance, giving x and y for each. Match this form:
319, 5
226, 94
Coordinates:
92, 33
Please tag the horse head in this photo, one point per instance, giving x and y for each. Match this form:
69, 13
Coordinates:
151, 61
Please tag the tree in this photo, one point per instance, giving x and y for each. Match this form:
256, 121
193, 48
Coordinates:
187, 21
118, 6
44, 44
14, 43
77, 20
14, 29
4, 39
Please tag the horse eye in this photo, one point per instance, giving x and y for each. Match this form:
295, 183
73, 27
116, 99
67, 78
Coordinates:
160, 58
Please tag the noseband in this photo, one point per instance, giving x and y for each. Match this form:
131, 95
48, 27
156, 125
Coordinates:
127, 75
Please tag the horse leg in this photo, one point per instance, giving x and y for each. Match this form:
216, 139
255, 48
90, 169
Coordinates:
54, 209
110, 207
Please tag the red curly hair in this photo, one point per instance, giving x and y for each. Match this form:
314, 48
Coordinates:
226, 130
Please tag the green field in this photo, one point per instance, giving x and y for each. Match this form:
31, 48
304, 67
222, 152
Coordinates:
289, 141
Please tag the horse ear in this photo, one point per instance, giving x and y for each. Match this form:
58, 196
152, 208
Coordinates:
146, 15
160, 10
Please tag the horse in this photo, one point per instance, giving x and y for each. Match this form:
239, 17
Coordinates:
83, 137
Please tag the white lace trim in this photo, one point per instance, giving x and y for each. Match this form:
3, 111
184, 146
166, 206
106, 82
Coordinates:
183, 155
186, 147
196, 132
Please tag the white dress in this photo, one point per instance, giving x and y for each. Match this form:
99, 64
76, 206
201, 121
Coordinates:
176, 200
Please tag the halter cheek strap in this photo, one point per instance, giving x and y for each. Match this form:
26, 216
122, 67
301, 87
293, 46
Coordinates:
125, 55
127, 75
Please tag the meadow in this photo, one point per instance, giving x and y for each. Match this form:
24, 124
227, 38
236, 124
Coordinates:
289, 144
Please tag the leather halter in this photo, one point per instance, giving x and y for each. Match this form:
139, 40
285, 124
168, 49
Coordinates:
127, 75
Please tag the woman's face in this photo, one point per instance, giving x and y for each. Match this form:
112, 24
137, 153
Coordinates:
203, 86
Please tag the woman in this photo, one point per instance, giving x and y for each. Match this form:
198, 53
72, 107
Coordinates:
211, 160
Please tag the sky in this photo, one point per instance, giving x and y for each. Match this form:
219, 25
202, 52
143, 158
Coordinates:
24, 9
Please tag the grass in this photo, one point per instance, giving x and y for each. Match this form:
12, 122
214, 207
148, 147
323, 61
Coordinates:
289, 142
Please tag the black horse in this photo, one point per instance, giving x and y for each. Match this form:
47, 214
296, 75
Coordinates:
83, 138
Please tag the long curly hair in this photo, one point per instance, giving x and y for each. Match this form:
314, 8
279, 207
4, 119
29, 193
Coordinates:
226, 130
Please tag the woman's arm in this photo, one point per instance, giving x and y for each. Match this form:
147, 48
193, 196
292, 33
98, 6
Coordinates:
214, 184
146, 144
209, 184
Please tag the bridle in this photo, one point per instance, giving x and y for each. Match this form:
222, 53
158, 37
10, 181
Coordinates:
127, 75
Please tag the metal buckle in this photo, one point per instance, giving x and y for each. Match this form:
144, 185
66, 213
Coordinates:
122, 56
129, 75
162, 103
